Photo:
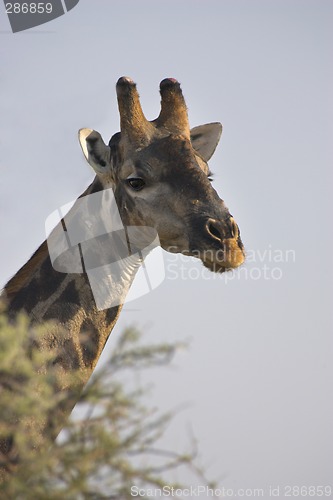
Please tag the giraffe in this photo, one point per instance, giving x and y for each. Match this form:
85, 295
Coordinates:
160, 178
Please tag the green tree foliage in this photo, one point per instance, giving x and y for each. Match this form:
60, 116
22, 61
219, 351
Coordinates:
101, 455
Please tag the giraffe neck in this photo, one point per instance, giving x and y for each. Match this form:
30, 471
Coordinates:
77, 315
82, 307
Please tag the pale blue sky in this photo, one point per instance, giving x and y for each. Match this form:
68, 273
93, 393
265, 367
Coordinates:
258, 373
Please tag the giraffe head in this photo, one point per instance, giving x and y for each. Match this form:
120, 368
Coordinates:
159, 173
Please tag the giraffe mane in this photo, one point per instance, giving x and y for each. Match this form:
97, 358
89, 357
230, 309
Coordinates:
17, 282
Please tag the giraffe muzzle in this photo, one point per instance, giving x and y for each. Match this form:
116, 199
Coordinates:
231, 252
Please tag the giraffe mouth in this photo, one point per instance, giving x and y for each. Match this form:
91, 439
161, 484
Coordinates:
216, 267
219, 267
230, 256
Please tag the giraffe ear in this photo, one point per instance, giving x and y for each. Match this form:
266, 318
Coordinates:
97, 153
205, 138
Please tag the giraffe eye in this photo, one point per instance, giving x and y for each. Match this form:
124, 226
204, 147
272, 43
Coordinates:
136, 183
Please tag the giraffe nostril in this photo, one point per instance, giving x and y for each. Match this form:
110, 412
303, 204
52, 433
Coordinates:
234, 228
220, 231
213, 229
